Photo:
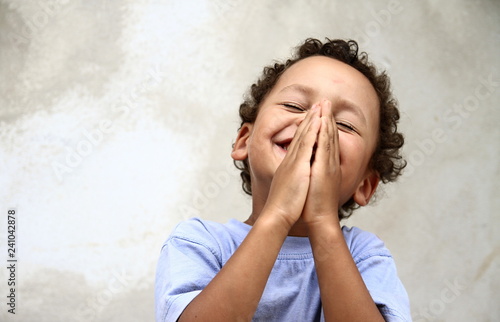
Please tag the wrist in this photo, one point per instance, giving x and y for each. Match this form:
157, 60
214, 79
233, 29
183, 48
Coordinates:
325, 224
274, 221
324, 218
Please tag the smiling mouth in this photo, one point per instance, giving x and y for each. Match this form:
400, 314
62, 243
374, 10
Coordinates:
284, 146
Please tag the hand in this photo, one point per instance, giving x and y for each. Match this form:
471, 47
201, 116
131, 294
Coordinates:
290, 184
324, 187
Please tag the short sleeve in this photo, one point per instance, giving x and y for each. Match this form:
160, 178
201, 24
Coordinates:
380, 276
378, 270
186, 265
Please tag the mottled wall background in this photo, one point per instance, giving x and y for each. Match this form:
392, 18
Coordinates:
117, 119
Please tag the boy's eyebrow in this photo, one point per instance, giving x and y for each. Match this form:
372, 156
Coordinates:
354, 109
297, 87
348, 105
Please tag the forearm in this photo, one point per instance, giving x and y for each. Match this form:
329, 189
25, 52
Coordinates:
234, 293
344, 295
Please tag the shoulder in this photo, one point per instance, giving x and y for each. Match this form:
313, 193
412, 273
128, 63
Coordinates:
220, 239
196, 228
364, 244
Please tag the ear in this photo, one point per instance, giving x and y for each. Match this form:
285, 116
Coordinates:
240, 147
366, 188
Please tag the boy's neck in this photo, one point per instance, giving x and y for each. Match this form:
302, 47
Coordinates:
260, 191
299, 229
259, 199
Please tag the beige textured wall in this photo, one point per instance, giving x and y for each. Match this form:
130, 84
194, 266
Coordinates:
117, 119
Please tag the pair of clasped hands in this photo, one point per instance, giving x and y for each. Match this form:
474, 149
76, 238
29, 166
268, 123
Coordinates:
305, 189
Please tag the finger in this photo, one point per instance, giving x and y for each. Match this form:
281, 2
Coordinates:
326, 109
333, 134
325, 142
303, 142
321, 157
304, 125
326, 158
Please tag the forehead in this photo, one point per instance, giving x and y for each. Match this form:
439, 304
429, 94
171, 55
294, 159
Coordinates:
329, 77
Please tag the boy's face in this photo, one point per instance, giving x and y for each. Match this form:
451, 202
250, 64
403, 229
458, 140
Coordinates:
355, 108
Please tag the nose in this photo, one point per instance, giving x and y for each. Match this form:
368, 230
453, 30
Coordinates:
302, 116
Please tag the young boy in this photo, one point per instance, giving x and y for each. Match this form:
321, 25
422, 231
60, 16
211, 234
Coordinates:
318, 133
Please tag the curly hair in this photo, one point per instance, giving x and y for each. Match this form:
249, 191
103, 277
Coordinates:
386, 160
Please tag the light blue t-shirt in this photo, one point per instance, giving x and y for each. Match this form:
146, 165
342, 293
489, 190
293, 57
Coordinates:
197, 249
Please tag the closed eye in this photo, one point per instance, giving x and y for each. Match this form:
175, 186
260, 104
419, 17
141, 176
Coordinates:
294, 107
346, 126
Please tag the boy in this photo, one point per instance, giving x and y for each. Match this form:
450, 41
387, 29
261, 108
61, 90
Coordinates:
318, 133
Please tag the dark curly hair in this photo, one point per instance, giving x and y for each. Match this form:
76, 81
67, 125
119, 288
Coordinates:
386, 159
